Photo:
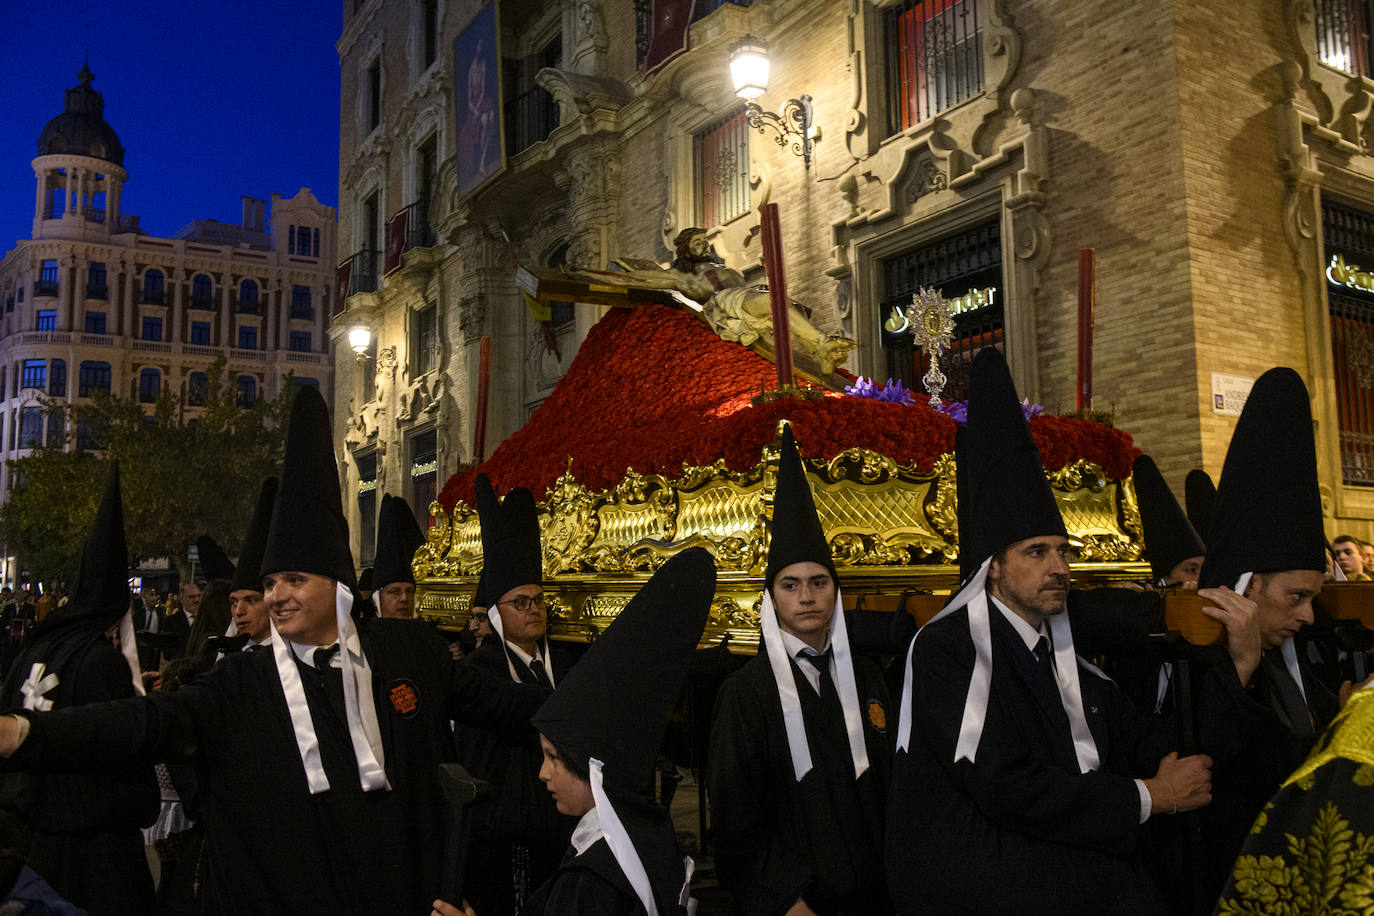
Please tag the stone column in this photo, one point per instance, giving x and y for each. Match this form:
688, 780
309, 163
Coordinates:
225, 321
174, 277
130, 310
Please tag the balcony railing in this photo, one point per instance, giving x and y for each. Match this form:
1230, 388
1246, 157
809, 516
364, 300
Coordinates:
302, 312
153, 297
98, 340
246, 307
98, 292
530, 117
128, 224
94, 214
45, 288
203, 302
357, 274
47, 337
408, 228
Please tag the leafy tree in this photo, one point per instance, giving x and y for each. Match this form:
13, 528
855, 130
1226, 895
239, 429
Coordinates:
186, 469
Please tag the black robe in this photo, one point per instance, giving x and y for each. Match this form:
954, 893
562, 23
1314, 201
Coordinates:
779, 840
86, 839
272, 846
521, 810
1250, 767
594, 884
1022, 830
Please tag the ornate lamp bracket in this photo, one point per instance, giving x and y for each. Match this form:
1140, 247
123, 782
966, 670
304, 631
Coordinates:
794, 127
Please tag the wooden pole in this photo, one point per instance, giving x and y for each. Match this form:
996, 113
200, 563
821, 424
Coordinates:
777, 293
1087, 306
479, 426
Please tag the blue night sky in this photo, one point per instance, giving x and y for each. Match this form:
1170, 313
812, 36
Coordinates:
212, 100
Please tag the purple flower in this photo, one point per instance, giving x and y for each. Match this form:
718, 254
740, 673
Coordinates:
894, 392
958, 410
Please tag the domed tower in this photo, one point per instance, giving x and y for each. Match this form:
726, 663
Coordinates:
80, 169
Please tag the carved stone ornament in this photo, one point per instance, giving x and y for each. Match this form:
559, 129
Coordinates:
926, 178
472, 317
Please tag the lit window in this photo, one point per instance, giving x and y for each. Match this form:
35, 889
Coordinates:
35, 374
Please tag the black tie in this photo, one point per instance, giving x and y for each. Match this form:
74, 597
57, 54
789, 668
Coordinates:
323, 656
331, 679
821, 662
537, 666
1044, 658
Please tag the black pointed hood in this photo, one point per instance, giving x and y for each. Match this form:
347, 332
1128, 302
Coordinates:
614, 703
1198, 495
505, 563
796, 535
1008, 495
1268, 513
248, 573
1169, 537
214, 562
100, 589
961, 475
308, 531
522, 518
398, 537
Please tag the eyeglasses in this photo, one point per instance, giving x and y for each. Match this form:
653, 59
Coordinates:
523, 603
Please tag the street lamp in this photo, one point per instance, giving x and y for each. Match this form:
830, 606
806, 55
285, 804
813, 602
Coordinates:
795, 126
359, 339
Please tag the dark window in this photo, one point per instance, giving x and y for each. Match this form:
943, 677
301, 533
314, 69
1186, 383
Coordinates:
154, 287
290, 239
704, 8
304, 381
248, 296
424, 340
152, 329
367, 505
934, 58
300, 341
47, 280
93, 377
85, 437
966, 268
720, 155
424, 474
47, 320
1343, 37
9, 304
248, 390
31, 427
57, 380
200, 333
95, 281
197, 387
248, 338
149, 384
304, 241
429, 31
35, 374
95, 322
560, 313
202, 292
1348, 236
315, 245
374, 94
300, 302
55, 429
531, 113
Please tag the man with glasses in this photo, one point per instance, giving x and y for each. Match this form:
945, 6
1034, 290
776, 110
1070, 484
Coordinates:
519, 837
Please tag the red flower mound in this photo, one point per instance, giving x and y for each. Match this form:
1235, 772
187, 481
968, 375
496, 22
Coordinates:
653, 388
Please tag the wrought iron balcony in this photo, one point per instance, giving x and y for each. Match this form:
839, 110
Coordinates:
530, 117
358, 274
45, 288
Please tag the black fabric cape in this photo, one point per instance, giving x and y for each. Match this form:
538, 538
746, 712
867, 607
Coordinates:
1022, 830
272, 846
521, 809
86, 840
779, 840
1250, 768
593, 883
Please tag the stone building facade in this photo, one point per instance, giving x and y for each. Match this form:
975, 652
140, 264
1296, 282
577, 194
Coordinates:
91, 302
1213, 154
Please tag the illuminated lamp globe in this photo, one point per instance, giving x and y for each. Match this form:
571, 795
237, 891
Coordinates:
749, 67
359, 338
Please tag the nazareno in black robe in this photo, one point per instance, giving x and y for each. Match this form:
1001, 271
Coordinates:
1022, 830
272, 846
521, 809
86, 840
593, 882
779, 840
